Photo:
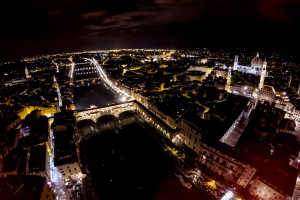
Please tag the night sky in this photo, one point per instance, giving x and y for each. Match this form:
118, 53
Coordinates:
30, 27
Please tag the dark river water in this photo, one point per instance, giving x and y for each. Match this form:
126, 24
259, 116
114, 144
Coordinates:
98, 95
130, 165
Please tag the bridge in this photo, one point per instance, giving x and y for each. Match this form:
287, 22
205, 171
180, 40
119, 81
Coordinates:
135, 106
95, 69
88, 80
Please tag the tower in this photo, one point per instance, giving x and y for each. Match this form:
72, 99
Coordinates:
236, 61
290, 80
227, 88
298, 92
26, 73
263, 75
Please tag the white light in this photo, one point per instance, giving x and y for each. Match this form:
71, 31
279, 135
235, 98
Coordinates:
123, 99
227, 196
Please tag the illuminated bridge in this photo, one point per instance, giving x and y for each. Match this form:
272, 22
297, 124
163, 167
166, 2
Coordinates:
88, 81
135, 106
85, 74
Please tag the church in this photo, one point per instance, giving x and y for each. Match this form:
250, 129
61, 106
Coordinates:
255, 68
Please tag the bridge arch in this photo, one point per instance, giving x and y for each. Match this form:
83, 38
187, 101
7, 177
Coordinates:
87, 128
108, 122
127, 117
119, 111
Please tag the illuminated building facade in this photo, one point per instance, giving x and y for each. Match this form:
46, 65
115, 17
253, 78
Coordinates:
255, 67
45, 110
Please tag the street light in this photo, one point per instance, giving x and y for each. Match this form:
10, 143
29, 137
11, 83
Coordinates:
212, 185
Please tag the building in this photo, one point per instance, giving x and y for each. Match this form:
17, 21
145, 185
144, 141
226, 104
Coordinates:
39, 161
292, 112
220, 72
13, 122
246, 165
49, 110
218, 163
23, 187
267, 93
189, 134
275, 180
255, 67
15, 162
246, 176
35, 130
66, 153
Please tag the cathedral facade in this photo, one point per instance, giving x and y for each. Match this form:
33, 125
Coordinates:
255, 68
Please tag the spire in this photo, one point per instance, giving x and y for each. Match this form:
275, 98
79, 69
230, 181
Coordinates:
257, 54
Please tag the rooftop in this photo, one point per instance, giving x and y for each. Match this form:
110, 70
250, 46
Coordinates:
279, 173
21, 187
64, 147
11, 161
64, 118
37, 158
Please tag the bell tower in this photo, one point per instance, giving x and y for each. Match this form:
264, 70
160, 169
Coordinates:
26, 73
227, 87
263, 75
236, 62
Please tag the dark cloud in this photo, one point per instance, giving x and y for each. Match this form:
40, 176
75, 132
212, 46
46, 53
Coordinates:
54, 12
50, 26
282, 11
93, 14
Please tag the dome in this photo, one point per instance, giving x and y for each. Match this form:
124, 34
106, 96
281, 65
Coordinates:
256, 61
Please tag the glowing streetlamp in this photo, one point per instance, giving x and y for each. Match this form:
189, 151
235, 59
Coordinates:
212, 184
